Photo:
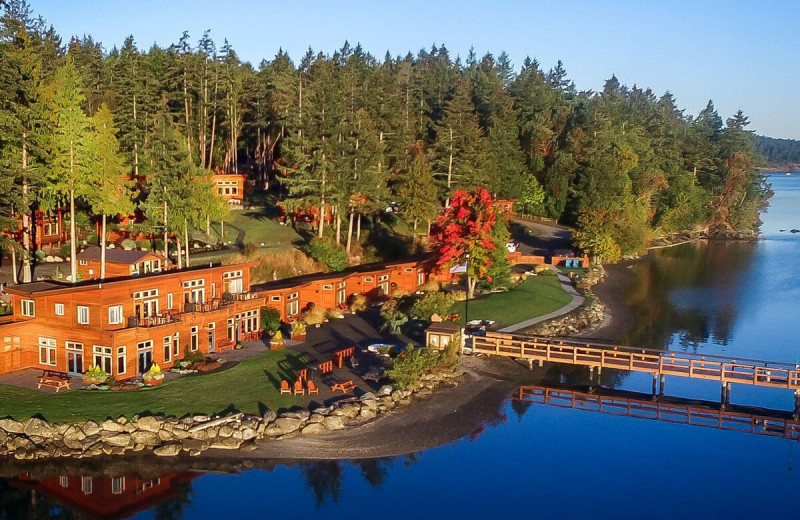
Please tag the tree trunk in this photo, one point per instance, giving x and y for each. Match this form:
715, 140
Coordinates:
338, 228
179, 249
321, 227
166, 232
358, 229
350, 232
222, 230
186, 240
14, 263
26, 217
103, 249
449, 170
471, 282
415, 224
208, 226
73, 246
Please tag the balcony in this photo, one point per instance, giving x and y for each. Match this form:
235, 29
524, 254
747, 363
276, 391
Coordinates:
209, 306
153, 321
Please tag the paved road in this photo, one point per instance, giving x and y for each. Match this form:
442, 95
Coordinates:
547, 237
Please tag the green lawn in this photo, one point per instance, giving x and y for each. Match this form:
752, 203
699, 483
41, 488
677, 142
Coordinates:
536, 296
252, 386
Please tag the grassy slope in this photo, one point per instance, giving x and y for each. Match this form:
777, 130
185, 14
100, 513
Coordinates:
536, 296
252, 386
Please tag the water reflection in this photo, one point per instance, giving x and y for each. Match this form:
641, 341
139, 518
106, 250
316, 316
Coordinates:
689, 295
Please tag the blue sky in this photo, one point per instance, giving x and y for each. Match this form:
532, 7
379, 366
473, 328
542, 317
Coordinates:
741, 54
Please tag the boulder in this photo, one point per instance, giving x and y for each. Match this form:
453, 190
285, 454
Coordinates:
147, 438
316, 418
112, 426
333, 422
245, 434
283, 426
165, 435
168, 450
228, 443
121, 440
385, 390
91, 428
302, 415
11, 426
268, 417
372, 404
150, 424
313, 429
368, 413
225, 431
37, 427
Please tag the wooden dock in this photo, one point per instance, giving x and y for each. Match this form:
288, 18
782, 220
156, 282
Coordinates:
642, 407
726, 370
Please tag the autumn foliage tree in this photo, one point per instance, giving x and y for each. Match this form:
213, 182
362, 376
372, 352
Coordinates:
464, 229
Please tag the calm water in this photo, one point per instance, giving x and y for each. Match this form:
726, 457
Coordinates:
537, 460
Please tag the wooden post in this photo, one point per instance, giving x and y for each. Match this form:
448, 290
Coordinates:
662, 380
655, 384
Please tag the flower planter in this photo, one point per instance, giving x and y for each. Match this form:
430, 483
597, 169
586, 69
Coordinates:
276, 346
153, 381
298, 337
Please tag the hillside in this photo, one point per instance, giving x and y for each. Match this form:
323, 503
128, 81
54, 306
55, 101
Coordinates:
780, 154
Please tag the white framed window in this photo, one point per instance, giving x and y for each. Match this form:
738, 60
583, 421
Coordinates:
141, 295
28, 308
117, 485
327, 287
115, 315
59, 309
420, 278
86, 485
83, 262
47, 351
83, 315
274, 298
409, 269
194, 339
102, 358
383, 277
368, 279
293, 296
176, 345
167, 349
122, 363
200, 282
169, 301
63, 480
293, 308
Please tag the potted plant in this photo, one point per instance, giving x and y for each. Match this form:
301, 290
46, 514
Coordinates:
277, 341
154, 376
299, 331
95, 376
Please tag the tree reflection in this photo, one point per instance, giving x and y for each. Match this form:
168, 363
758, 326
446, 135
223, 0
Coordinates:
688, 293
374, 471
324, 479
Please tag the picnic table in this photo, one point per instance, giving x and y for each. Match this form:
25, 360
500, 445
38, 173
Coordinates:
53, 379
343, 386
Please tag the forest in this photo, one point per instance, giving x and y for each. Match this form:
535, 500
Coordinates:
349, 132
778, 153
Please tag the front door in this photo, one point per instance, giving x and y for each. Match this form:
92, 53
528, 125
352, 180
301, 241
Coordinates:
74, 362
145, 360
212, 340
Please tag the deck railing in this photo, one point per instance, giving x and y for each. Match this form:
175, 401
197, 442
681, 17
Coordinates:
698, 366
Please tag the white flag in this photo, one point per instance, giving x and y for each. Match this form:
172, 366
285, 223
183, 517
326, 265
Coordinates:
460, 268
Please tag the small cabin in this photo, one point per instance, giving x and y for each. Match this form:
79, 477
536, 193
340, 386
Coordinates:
119, 262
441, 335
230, 186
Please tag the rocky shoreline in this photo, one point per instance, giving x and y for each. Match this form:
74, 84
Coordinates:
684, 237
35, 439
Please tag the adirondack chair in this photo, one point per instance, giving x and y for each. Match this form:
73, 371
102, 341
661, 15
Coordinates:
312, 388
285, 387
298, 388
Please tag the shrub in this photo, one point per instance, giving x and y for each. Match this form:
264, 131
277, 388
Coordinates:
314, 316
93, 239
358, 302
40, 255
277, 265
393, 317
250, 250
270, 318
144, 245
277, 338
328, 253
158, 245
400, 293
414, 362
298, 328
430, 304
128, 244
65, 250
334, 314
458, 295
430, 286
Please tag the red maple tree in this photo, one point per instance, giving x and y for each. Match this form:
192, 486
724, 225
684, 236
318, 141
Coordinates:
465, 229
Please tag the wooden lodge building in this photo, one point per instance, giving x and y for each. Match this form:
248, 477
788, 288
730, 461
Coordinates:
125, 324
119, 262
230, 186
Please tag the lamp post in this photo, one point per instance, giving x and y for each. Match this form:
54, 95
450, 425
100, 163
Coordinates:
466, 308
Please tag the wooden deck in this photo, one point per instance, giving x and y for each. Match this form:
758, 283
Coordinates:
643, 408
659, 363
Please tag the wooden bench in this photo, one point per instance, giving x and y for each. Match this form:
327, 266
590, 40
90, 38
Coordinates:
342, 354
53, 379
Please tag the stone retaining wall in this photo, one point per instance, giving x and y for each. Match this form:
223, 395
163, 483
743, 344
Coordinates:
170, 436
587, 315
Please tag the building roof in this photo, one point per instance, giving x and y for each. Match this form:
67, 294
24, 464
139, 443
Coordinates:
447, 327
35, 287
114, 256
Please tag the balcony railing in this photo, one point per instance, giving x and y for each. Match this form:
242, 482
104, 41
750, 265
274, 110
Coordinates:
153, 321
